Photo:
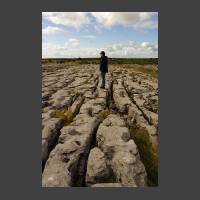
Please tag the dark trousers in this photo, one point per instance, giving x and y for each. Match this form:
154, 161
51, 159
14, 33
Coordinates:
103, 74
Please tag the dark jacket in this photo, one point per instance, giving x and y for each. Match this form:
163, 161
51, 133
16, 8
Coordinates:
104, 64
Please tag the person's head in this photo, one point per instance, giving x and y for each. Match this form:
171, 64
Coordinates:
102, 53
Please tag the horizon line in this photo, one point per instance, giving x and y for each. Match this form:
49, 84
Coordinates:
99, 57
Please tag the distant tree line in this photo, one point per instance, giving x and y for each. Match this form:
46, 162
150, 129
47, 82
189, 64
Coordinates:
141, 61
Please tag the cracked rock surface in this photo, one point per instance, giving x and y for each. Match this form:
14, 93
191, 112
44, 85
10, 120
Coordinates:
88, 132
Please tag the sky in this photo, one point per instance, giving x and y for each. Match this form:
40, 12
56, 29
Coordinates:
85, 34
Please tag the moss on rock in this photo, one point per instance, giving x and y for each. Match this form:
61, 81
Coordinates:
148, 154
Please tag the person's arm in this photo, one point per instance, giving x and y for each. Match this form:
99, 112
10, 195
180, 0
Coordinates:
100, 64
107, 64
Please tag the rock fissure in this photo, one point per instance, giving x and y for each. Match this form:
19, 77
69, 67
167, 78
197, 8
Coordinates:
132, 99
53, 133
92, 139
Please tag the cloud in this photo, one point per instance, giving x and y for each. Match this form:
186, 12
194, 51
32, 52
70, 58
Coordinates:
58, 22
69, 19
89, 36
132, 50
50, 50
77, 20
50, 30
131, 43
148, 46
125, 50
73, 42
137, 20
68, 49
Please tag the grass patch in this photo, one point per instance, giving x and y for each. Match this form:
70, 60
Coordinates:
148, 154
153, 73
65, 115
104, 114
149, 70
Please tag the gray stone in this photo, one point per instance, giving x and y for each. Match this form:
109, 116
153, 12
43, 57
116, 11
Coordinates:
108, 138
128, 169
69, 156
49, 134
76, 105
122, 153
121, 98
97, 168
113, 120
95, 105
115, 161
56, 173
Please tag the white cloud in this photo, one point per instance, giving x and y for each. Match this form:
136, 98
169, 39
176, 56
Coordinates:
131, 43
50, 30
144, 44
58, 21
68, 49
89, 36
147, 45
73, 42
137, 20
69, 19
50, 50
125, 50
132, 50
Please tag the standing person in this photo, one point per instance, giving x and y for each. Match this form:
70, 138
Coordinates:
103, 67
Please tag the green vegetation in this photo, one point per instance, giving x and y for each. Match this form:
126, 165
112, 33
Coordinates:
144, 65
147, 153
150, 70
65, 115
104, 114
140, 61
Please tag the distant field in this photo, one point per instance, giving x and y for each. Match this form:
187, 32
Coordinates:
140, 61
